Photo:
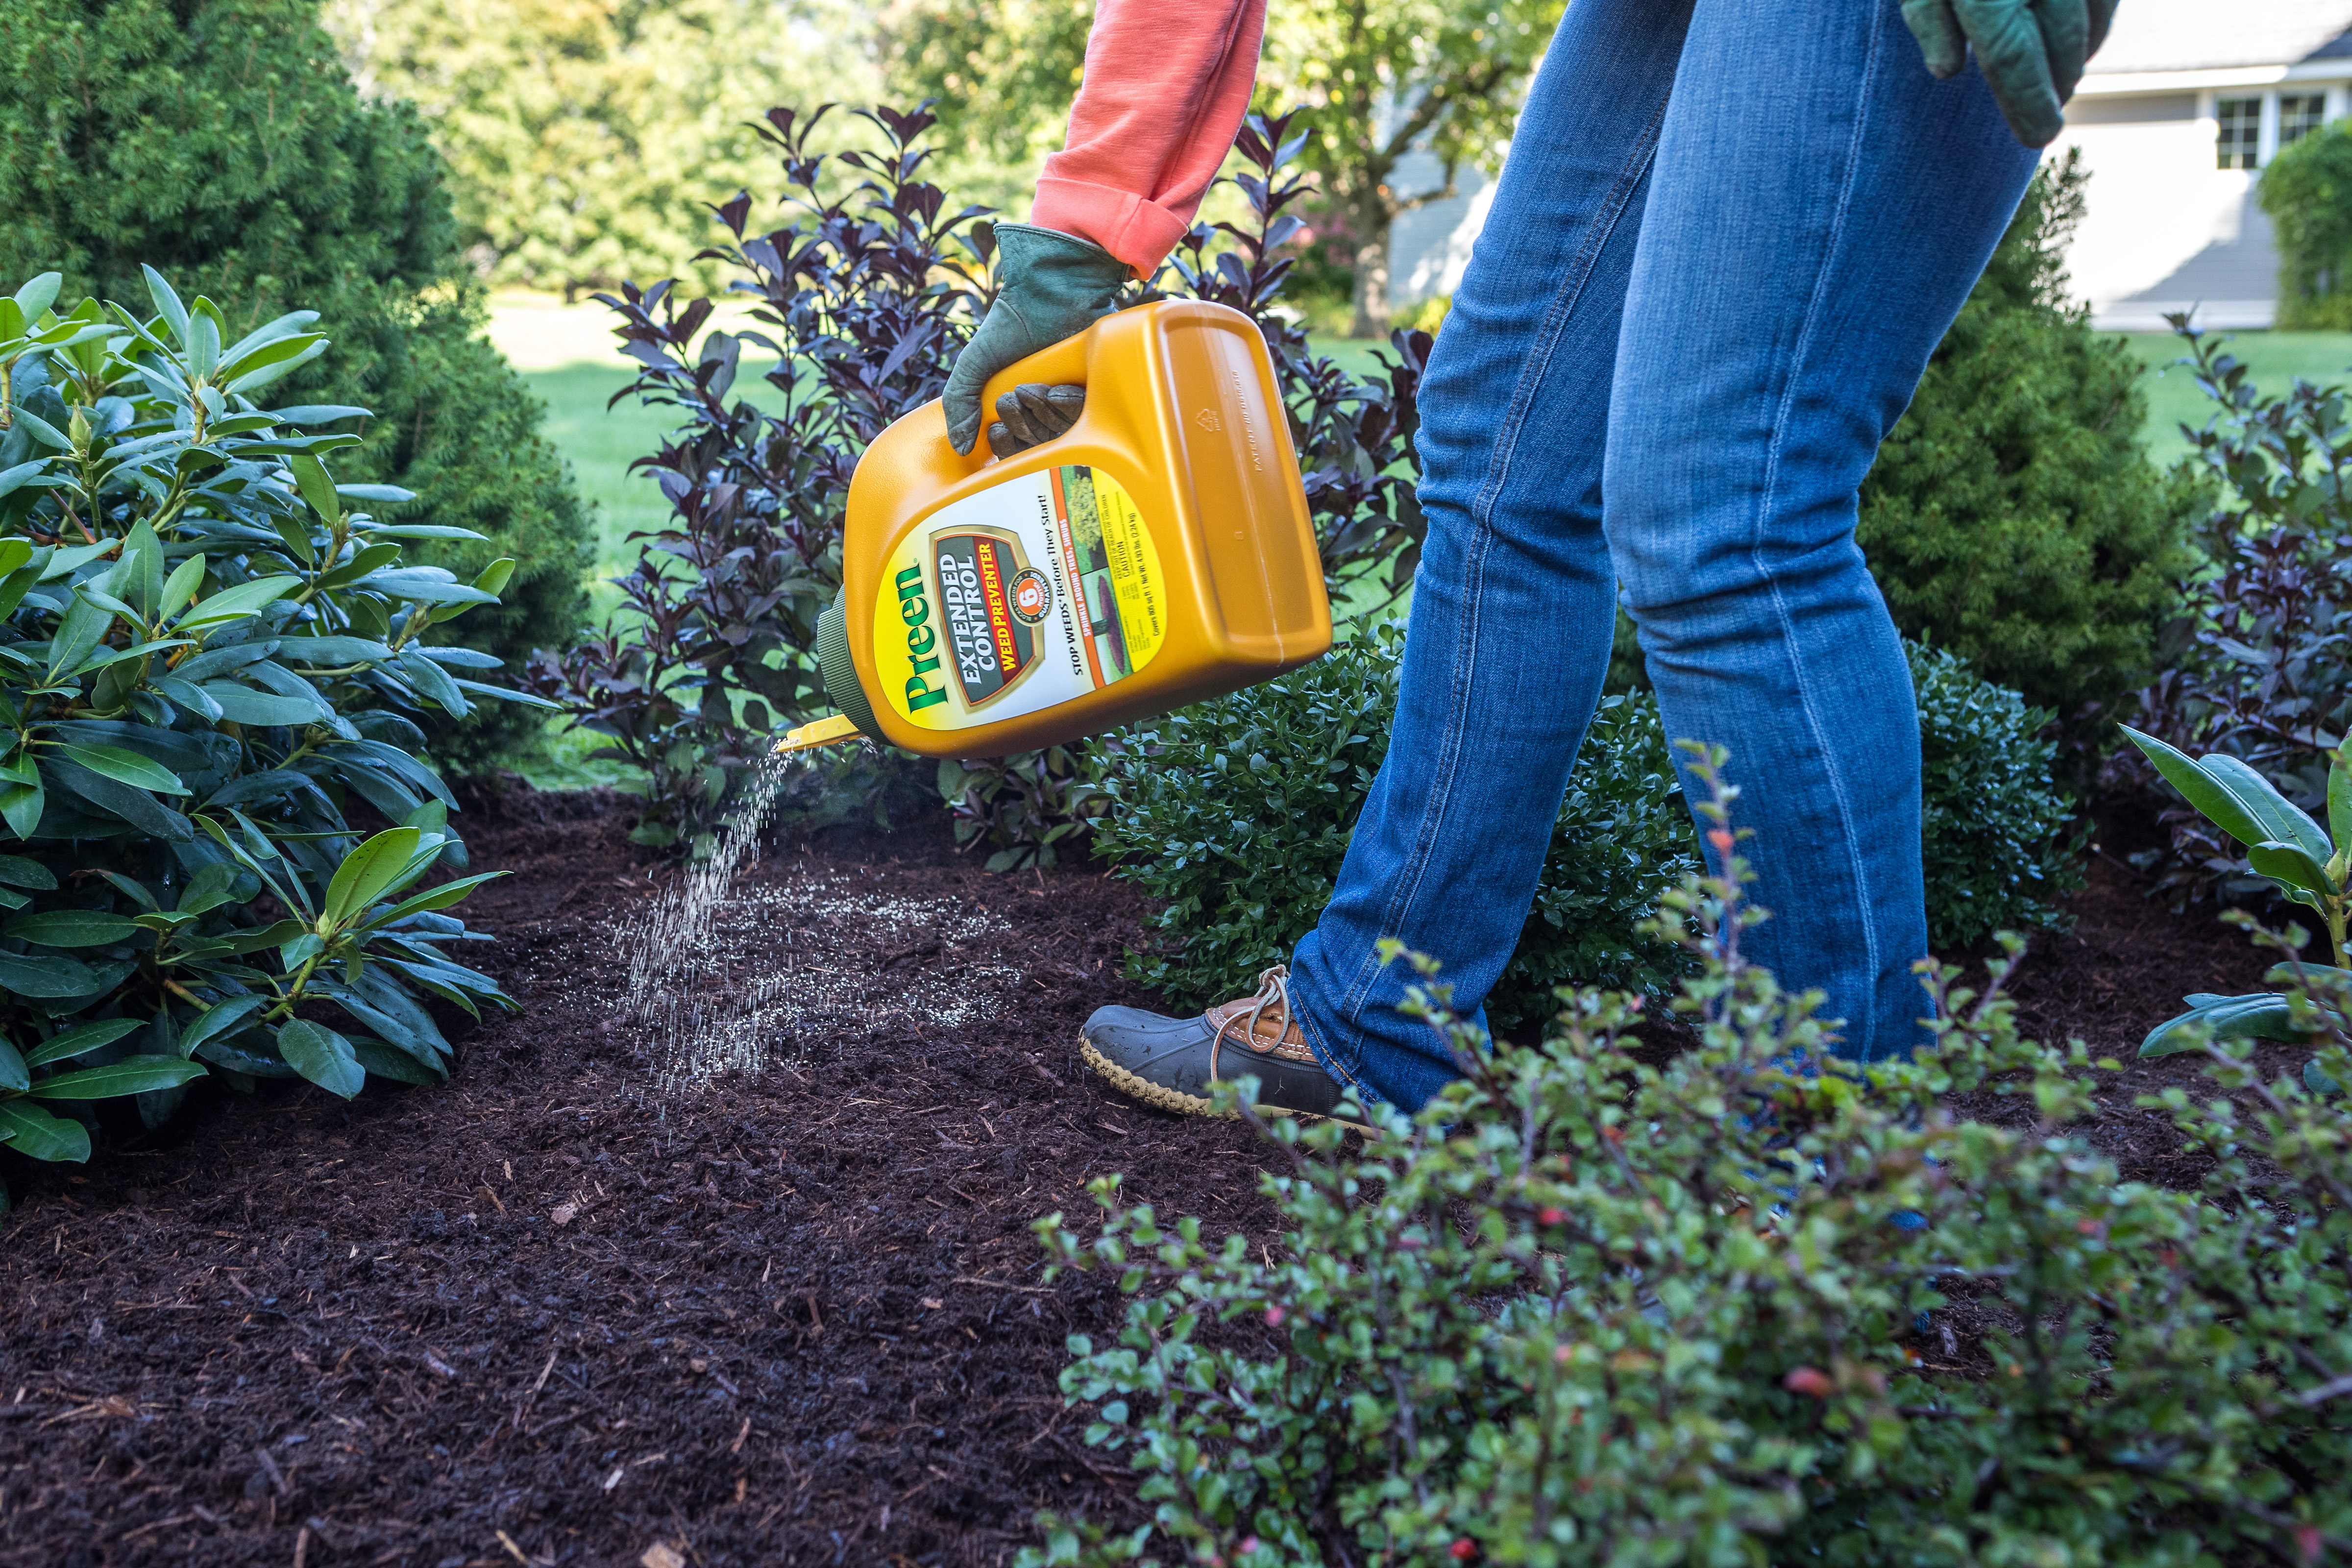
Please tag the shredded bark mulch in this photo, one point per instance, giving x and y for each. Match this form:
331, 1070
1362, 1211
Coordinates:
553, 1314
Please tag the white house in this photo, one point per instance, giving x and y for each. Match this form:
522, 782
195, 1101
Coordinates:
2176, 117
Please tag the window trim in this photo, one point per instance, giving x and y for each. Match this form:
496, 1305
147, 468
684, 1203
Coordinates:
2338, 103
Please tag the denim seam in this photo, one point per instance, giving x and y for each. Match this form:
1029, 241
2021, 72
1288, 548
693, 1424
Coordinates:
1807, 693
1610, 210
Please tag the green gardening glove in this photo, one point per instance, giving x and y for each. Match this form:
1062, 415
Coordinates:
2032, 52
1050, 286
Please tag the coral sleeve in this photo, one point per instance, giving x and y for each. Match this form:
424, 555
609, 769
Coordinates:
1166, 83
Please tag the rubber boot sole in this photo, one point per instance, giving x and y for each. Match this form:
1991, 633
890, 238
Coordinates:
1165, 1099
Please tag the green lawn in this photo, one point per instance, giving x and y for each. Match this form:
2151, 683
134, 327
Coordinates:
2275, 358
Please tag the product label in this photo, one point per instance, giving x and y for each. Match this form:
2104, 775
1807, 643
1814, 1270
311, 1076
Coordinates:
1031, 593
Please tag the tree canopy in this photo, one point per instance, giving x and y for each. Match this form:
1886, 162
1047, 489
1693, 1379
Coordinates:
588, 137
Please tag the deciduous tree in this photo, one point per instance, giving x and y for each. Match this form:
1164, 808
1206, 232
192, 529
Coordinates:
1376, 80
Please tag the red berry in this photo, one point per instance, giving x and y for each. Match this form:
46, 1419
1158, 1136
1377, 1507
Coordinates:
1463, 1550
1808, 1380
1273, 1316
1553, 1216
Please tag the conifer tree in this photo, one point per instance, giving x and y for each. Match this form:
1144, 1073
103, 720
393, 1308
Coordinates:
2012, 515
221, 141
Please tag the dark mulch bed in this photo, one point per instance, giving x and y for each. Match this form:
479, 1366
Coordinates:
786, 1317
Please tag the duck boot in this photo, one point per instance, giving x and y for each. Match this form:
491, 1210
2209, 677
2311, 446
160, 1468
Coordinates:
1172, 1062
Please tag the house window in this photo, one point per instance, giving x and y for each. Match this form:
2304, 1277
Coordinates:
2300, 114
2239, 136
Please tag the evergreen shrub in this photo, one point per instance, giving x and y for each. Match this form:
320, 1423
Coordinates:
2011, 515
1234, 816
1997, 839
1723, 1310
211, 667
221, 141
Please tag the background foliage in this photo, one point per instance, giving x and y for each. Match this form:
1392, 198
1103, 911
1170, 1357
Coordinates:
2257, 664
220, 140
1590, 1311
585, 139
210, 665
2011, 515
1371, 80
2306, 189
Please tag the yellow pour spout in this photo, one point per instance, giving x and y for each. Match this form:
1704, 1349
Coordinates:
825, 732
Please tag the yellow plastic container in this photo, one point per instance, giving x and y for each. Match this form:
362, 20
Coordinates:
1158, 553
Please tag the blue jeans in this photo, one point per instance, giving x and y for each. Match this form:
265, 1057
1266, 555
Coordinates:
1728, 235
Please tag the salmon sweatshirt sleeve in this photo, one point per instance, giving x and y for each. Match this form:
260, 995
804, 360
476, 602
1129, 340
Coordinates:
1166, 86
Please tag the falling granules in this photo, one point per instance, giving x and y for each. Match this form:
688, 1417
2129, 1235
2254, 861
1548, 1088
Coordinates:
697, 1029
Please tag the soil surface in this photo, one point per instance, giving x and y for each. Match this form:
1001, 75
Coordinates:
556, 1312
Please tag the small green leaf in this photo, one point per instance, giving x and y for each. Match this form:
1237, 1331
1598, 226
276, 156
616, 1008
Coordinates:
321, 1056
2292, 866
234, 604
13, 1073
2339, 799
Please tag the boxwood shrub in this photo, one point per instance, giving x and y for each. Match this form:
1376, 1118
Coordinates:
211, 663
1234, 816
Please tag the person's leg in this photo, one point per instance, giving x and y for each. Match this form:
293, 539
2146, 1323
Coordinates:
1515, 601
1819, 208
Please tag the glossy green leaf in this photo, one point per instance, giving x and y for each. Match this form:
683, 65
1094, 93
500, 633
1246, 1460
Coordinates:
2221, 807
243, 705
13, 1073
126, 767
220, 1019
2339, 800
234, 603
47, 977
18, 872
321, 1056
2259, 1016
133, 1075
389, 1061
39, 1135
317, 490
71, 928
2283, 821
369, 871
79, 1040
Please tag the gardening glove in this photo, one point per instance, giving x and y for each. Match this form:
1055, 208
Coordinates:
1033, 413
2032, 52
1051, 285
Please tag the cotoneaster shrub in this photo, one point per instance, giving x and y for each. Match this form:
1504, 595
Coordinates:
211, 667
1234, 816
1731, 1311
